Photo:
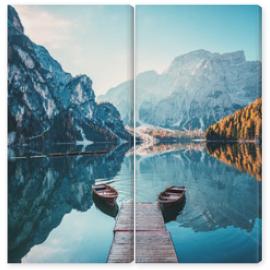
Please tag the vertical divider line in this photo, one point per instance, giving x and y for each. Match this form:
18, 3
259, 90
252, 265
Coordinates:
134, 131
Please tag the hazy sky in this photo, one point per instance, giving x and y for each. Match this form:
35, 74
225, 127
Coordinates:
97, 40
164, 32
92, 40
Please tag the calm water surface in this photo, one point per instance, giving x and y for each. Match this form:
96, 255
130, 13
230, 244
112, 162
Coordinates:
52, 217
221, 220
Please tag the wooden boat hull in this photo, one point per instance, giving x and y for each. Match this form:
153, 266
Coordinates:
171, 204
105, 193
172, 197
108, 201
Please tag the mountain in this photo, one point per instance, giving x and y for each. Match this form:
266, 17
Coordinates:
197, 90
122, 97
244, 124
47, 104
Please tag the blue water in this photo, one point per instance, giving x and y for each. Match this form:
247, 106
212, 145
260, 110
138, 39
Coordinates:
227, 245
81, 237
52, 216
220, 221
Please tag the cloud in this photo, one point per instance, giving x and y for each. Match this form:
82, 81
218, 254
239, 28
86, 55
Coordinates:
44, 28
92, 40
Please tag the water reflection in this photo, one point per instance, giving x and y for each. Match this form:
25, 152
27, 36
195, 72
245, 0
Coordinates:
246, 157
106, 209
222, 213
220, 201
171, 213
42, 190
217, 195
154, 149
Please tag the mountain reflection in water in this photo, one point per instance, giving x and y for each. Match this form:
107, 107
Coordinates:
42, 190
221, 219
246, 157
217, 195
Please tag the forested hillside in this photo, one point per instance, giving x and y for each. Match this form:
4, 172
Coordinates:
244, 124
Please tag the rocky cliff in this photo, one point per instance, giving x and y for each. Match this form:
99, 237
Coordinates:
197, 90
47, 104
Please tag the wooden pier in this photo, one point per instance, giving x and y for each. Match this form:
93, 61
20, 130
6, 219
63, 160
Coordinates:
122, 249
153, 241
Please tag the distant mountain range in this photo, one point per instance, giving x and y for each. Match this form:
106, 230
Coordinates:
47, 104
197, 90
245, 124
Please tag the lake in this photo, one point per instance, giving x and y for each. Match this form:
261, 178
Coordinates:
221, 219
52, 217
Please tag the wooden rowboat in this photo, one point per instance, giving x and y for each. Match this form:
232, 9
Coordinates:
172, 196
105, 193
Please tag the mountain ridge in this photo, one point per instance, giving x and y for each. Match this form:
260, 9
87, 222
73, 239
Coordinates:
196, 90
41, 95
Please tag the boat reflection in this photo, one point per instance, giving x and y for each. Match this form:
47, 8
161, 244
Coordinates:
217, 196
171, 213
110, 210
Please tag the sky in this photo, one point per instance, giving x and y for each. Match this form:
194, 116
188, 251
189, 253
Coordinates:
165, 32
91, 40
98, 40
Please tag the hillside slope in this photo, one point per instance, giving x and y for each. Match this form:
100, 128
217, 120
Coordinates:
244, 124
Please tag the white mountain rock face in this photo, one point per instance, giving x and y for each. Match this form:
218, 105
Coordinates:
196, 90
47, 104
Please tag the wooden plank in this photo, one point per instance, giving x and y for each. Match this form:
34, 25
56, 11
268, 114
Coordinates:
122, 249
153, 241
125, 220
